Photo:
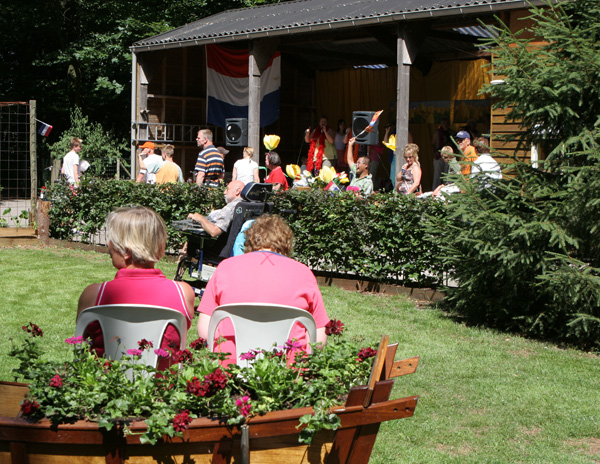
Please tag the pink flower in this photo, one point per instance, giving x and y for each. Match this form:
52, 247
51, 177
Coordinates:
29, 408
249, 355
244, 405
134, 352
182, 421
56, 381
293, 344
75, 340
334, 327
161, 353
33, 329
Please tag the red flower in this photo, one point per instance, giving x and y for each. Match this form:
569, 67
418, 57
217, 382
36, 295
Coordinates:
29, 408
334, 327
198, 344
197, 388
143, 344
56, 381
182, 421
217, 380
366, 353
33, 329
182, 356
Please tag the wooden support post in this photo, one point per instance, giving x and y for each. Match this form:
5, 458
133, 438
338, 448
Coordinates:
402, 95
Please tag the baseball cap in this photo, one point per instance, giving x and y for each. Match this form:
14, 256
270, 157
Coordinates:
463, 135
222, 150
148, 145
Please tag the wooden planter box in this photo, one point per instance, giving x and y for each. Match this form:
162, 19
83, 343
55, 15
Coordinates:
271, 438
14, 236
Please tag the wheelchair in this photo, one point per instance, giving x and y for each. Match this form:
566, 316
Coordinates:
204, 252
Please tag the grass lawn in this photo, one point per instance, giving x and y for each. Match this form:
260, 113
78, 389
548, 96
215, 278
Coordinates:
485, 397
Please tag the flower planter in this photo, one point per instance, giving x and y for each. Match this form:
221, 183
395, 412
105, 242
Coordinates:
271, 438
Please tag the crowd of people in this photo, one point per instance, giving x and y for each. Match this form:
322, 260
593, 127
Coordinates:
326, 148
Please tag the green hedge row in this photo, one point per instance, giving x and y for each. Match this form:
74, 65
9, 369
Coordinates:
382, 238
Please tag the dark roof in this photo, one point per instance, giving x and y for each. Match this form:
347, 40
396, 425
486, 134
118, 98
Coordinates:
310, 16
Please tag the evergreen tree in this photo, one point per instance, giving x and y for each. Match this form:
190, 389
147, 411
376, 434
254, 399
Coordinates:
524, 249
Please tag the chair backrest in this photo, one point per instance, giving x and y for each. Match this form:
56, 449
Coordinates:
124, 325
259, 325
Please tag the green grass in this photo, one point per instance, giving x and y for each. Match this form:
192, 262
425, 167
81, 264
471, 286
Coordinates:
485, 397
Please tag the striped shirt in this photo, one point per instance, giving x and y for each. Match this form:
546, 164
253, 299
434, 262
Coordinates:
210, 162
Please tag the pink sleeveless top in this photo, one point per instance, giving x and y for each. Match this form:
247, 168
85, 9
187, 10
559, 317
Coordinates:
141, 286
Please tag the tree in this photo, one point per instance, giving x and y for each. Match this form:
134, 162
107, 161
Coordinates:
552, 88
524, 249
69, 53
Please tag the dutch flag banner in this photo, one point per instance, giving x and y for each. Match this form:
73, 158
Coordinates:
227, 86
44, 129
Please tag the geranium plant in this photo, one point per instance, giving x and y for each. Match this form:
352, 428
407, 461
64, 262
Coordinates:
118, 392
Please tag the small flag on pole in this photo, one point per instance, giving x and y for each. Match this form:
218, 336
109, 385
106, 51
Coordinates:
44, 129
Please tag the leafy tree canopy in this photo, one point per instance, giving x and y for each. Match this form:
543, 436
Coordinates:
68, 53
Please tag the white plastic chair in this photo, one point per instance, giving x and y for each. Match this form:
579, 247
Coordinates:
260, 325
124, 325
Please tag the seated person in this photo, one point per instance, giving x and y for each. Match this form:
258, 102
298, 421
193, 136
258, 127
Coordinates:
137, 238
219, 220
263, 274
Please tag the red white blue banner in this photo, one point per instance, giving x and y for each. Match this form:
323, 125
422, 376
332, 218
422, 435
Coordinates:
227, 86
44, 129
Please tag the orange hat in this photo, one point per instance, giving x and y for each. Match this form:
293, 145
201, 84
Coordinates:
148, 145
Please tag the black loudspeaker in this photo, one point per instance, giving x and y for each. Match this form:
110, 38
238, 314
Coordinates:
360, 120
236, 132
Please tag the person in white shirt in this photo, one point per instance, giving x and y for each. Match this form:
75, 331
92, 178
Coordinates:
246, 169
70, 167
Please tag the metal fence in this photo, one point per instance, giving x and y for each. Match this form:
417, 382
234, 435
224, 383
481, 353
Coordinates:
17, 171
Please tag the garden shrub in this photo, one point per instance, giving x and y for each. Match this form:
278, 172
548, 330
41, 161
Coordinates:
524, 254
382, 238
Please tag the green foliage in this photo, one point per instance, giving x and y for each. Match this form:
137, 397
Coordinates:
110, 392
524, 250
524, 254
100, 148
76, 52
85, 209
381, 237
554, 87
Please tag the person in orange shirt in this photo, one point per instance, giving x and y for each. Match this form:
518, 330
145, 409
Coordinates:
463, 139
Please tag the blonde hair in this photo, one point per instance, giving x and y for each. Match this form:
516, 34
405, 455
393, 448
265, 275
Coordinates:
249, 151
270, 232
412, 149
138, 231
168, 150
75, 142
447, 153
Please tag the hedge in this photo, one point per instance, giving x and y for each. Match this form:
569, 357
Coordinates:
382, 238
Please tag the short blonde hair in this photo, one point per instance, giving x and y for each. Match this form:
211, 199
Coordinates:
270, 232
75, 142
168, 150
412, 149
139, 231
447, 153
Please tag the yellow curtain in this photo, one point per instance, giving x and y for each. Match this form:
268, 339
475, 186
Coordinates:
341, 92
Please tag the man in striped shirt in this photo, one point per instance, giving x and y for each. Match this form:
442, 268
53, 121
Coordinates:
209, 166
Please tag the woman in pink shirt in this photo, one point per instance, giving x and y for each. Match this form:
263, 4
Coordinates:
137, 238
263, 274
